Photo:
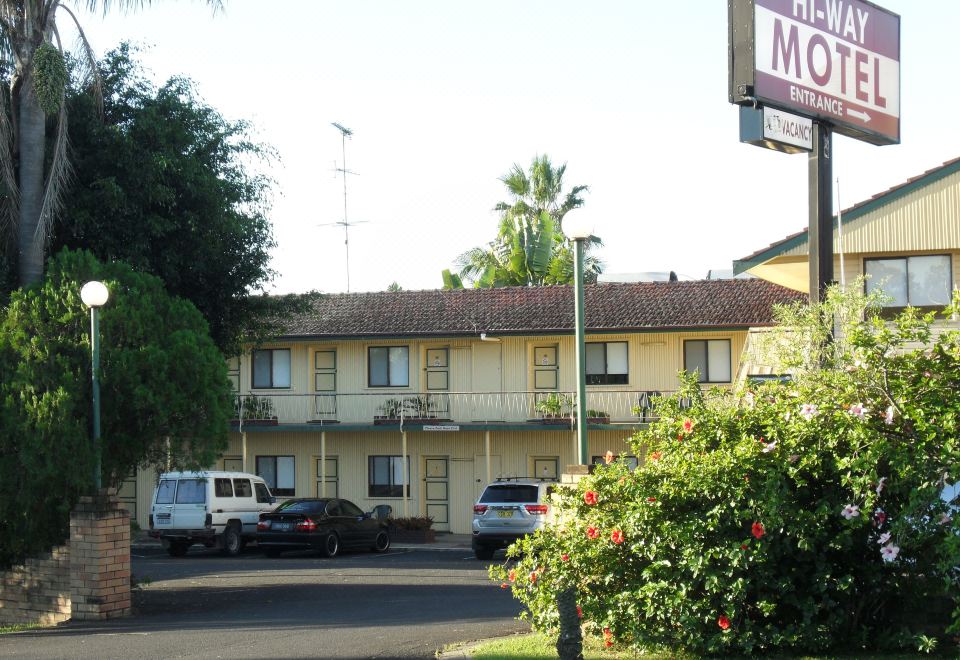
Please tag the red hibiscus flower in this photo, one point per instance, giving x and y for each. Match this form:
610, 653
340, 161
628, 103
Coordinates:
723, 622
688, 425
616, 536
679, 437
564, 557
503, 585
743, 547
651, 499
533, 577
592, 532
512, 576
579, 612
757, 529
590, 497
655, 456
608, 637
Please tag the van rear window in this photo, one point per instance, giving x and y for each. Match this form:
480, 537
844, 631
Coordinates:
165, 491
223, 488
242, 487
192, 491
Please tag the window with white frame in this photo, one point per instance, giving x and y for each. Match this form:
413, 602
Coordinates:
280, 474
709, 357
607, 363
919, 281
388, 366
385, 476
546, 370
233, 373
330, 476
271, 368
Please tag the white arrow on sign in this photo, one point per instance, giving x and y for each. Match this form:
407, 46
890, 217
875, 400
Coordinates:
863, 116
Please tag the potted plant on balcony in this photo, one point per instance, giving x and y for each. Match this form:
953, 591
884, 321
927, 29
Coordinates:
414, 529
598, 417
413, 409
256, 411
554, 409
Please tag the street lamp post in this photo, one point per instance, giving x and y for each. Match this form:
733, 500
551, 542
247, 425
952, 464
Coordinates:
94, 295
578, 229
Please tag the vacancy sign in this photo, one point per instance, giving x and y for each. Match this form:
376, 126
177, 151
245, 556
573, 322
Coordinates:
833, 60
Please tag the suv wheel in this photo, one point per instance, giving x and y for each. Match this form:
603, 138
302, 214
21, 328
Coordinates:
232, 544
483, 552
177, 548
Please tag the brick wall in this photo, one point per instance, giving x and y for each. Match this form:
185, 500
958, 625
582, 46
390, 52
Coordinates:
37, 591
99, 559
89, 579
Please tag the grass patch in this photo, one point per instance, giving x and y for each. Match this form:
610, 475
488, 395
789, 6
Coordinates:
18, 627
535, 646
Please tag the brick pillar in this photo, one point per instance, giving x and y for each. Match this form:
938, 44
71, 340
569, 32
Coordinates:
99, 558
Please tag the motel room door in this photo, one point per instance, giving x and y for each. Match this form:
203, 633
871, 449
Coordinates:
487, 383
437, 491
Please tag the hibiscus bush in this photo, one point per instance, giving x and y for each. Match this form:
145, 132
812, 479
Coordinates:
791, 517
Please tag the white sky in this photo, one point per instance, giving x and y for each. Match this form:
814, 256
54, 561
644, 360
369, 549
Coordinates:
445, 95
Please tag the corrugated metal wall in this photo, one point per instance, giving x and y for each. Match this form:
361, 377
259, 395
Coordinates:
514, 451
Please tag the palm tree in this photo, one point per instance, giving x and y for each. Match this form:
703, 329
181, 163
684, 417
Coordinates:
530, 247
31, 53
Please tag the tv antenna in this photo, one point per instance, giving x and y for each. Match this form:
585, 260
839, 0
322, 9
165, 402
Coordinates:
345, 223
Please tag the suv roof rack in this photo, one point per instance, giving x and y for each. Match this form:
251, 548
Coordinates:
501, 479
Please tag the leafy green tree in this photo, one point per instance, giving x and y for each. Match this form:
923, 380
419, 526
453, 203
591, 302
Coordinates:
793, 517
165, 396
530, 247
165, 183
35, 76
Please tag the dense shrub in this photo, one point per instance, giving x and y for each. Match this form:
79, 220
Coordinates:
800, 516
165, 398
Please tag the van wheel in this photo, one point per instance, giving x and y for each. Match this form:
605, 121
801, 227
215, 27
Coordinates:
232, 544
177, 548
331, 546
382, 542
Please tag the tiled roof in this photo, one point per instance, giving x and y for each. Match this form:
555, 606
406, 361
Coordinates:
849, 215
648, 306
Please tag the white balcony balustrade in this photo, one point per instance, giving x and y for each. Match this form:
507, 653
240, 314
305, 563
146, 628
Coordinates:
414, 408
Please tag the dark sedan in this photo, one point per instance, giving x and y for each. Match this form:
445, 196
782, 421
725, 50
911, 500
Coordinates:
325, 524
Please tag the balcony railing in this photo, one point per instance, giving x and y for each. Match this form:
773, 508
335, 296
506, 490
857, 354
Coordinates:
605, 407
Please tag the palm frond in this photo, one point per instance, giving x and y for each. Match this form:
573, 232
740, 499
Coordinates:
10, 204
90, 69
57, 179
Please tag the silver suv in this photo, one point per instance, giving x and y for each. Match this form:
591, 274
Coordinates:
509, 509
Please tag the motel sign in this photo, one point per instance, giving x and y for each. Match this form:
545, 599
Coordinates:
836, 61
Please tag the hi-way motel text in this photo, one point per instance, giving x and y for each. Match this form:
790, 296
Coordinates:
834, 59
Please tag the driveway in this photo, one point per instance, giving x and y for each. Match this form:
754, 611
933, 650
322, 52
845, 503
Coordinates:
406, 603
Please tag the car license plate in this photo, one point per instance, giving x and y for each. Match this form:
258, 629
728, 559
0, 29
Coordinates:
505, 514
281, 526
163, 521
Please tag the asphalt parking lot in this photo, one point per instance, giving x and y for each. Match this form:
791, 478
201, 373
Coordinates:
407, 603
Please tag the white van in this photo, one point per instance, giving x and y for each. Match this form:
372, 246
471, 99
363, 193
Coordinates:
213, 508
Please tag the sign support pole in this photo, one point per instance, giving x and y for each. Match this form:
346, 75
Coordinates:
820, 231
